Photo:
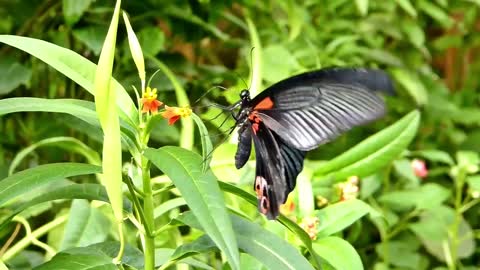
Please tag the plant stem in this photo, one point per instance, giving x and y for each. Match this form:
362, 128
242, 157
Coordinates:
149, 249
22, 244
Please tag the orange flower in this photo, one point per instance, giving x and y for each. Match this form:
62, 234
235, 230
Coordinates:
149, 101
174, 113
310, 225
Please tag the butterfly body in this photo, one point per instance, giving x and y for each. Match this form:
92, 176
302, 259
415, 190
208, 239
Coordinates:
297, 115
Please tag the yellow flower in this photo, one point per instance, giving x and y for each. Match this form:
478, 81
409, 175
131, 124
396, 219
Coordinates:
149, 101
174, 113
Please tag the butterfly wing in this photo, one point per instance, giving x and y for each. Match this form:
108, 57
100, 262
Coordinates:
278, 166
313, 108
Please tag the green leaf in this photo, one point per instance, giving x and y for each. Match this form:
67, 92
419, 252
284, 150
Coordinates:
374, 152
74, 66
434, 155
256, 70
203, 244
69, 143
207, 147
74, 9
339, 216
428, 196
408, 7
105, 97
86, 225
12, 75
338, 253
362, 6
283, 60
400, 254
91, 36
268, 248
434, 229
75, 191
474, 182
152, 40
436, 13
202, 194
27, 180
94, 257
412, 84
167, 206
84, 110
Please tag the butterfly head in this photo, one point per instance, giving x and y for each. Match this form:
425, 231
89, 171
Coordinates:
245, 95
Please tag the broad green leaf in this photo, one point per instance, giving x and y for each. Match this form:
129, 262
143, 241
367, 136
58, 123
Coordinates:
86, 225
3, 266
105, 97
12, 75
271, 250
27, 180
78, 108
68, 143
94, 257
434, 229
428, 196
292, 226
338, 253
337, 217
74, 9
207, 147
75, 191
202, 194
75, 67
362, 6
412, 84
374, 152
84, 110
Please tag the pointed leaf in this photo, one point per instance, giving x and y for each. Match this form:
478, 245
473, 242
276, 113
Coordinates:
202, 194
338, 253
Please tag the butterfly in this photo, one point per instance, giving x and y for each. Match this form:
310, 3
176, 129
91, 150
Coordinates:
297, 115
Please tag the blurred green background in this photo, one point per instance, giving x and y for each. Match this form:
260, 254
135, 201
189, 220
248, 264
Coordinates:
430, 48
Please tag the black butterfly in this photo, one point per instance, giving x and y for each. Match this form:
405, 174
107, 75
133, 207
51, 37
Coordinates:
298, 114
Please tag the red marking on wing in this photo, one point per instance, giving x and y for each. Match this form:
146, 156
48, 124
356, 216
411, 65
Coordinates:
265, 104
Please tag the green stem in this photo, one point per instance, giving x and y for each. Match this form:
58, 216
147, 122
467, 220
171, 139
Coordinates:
459, 182
26, 241
149, 251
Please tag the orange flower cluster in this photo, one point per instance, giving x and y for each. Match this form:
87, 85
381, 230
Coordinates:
349, 189
310, 225
150, 104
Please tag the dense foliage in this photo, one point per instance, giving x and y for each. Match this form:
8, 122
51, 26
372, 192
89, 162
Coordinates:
400, 193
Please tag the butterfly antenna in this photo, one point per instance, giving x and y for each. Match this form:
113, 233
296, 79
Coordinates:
151, 77
208, 91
